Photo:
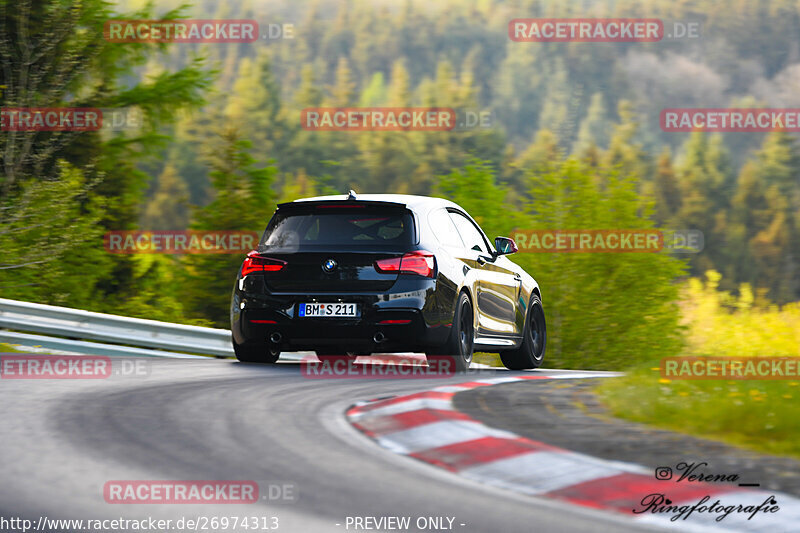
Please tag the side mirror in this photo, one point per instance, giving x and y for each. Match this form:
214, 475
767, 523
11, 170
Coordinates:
505, 246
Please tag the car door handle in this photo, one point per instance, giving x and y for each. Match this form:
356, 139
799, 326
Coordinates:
517, 277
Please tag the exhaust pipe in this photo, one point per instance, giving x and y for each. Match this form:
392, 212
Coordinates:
275, 338
379, 337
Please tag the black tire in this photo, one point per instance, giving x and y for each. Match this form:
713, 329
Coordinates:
461, 342
256, 353
534, 340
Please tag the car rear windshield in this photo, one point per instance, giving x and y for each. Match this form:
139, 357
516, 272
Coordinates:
324, 228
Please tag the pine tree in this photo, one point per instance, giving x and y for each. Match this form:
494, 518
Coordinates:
665, 190
168, 209
243, 200
765, 209
594, 128
374, 94
255, 107
54, 54
343, 91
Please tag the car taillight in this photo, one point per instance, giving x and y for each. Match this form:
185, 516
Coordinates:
422, 263
255, 264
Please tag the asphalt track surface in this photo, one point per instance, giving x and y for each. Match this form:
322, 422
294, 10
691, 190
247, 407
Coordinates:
62, 440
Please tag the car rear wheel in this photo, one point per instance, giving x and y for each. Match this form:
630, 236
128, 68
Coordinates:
256, 353
460, 344
534, 340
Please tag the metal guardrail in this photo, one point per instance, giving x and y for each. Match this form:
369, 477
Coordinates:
138, 332
129, 336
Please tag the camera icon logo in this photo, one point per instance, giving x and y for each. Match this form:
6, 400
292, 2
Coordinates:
663, 473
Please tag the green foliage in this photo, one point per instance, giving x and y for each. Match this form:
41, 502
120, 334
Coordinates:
62, 190
298, 187
603, 310
550, 101
765, 226
255, 107
761, 415
7, 348
720, 323
374, 94
475, 188
49, 232
155, 278
594, 127
243, 200
168, 209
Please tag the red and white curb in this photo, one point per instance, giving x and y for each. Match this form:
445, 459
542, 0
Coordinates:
427, 427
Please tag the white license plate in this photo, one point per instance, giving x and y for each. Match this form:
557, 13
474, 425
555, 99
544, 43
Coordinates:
328, 310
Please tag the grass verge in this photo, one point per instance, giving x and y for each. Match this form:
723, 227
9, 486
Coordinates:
491, 359
7, 348
754, 414
758, 415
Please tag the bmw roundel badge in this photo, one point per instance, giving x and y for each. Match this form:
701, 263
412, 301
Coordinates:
329, 265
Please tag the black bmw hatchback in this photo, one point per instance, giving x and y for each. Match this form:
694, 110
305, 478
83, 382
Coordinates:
352, 275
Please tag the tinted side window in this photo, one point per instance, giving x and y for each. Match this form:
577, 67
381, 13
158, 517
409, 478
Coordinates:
444, 229
473, 240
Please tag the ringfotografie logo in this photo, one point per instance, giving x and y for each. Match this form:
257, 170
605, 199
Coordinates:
697, 472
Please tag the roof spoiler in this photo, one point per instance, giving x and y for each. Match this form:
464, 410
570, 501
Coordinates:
338, 203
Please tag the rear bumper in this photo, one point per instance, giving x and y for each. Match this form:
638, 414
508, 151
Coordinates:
407, 318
